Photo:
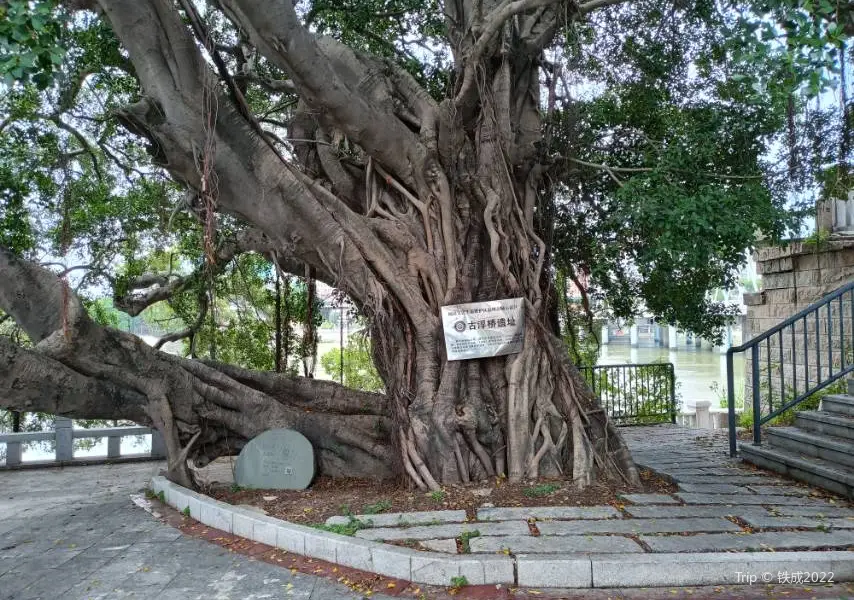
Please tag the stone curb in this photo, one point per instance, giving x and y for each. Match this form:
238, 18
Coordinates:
528, 570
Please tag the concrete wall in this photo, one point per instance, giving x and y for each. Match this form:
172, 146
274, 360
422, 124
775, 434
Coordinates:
793, 277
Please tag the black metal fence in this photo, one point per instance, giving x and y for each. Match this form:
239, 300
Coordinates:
795, 359
635, 394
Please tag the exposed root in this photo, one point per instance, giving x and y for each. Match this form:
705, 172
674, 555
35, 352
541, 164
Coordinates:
418, 463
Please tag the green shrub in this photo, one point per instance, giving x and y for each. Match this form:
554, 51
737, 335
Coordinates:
359, 371
787, 417
377, 508
538, 491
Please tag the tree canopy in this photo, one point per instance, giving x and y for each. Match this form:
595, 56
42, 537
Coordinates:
674, 133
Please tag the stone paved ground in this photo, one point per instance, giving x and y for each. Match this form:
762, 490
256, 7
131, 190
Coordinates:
722, 505
74, 534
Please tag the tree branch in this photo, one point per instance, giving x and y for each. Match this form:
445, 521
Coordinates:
88, 147
611, 170
37, 299
491, 27
30, 381
192, 329
316, 394
252, 184
586, 8
248, 240
331, 79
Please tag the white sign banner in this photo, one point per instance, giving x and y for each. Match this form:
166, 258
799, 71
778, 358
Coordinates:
483, 329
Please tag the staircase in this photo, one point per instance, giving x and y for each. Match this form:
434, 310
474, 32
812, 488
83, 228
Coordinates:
788, 364
818, 450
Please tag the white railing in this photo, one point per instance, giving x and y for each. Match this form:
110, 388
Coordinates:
64, 435
842, 214
703, 416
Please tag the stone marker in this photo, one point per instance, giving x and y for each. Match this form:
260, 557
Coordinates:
280, 459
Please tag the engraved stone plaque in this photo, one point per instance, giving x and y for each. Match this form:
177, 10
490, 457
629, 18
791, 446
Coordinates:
280, 459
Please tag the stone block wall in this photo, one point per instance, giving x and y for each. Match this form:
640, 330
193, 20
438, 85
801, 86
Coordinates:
793, 278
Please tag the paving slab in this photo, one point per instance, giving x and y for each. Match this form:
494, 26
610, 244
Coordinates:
634, 526
643, 570
449, 546
713, 488
427, 517
758, 479
825, 511
431, 532
649, 498
777, 540
771, 522
701, 463
547, 512
786, 490
677, 473
123, 547
706, 471
691, 511
747, 498
555, 544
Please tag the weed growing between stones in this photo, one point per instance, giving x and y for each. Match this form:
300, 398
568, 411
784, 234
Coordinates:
459, 582
464, 540
350, 528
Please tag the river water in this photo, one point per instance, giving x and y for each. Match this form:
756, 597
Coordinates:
697, 371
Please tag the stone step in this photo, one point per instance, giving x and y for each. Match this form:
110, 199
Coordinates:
768, 541
821, 422
809, 469
831, 448
842, 404
555, 544
639, 526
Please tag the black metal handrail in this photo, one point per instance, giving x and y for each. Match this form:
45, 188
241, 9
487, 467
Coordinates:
796, 343
635, 394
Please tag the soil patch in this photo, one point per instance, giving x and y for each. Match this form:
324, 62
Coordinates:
330, 496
